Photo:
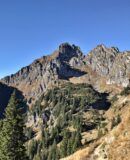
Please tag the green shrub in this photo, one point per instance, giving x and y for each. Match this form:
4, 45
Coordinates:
126, 91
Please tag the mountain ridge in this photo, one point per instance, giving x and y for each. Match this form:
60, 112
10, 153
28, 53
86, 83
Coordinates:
67, 62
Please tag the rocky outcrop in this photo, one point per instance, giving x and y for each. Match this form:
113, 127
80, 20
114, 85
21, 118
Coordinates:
120, 72
111, 64
101, 59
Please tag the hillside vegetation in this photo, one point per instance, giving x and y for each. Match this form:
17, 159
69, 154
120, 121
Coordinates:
58, 122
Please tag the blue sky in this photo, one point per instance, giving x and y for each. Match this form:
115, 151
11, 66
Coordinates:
30, 29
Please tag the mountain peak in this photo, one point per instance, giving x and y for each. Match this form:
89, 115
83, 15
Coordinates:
103, 48
100, 46
67, 51
47, 71
101, 58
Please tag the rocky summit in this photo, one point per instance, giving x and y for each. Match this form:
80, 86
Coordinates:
101, 59
47, 71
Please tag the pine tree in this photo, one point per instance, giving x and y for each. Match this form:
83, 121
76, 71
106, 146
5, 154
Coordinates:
65, 143
82, 103
69, 147
73, 106
53, 149
77, 142
1, 125
12, 136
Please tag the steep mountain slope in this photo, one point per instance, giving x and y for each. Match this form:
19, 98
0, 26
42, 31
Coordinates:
114, 145
101, 59
46, 72
101, 66
102, 125
120, 72
63, 120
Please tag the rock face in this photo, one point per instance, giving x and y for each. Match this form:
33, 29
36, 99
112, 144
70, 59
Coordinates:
101, 59
67, 62
120, 72
46, 71
110, 63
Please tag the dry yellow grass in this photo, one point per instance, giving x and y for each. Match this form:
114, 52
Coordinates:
82, 154
116, 144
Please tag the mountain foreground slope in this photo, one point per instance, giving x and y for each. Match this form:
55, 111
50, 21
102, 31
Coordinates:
78, 104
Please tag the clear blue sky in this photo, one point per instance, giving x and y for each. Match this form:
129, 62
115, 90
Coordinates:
30, 29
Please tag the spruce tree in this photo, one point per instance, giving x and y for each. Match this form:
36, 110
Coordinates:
64, 143
77, 142
69, 146
52, 153
12, 136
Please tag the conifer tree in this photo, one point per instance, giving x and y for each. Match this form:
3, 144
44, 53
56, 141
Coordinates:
12, 136
53, 150
69, 147
77, 142
64, 143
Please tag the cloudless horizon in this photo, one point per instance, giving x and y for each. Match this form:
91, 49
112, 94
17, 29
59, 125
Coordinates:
30, 29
